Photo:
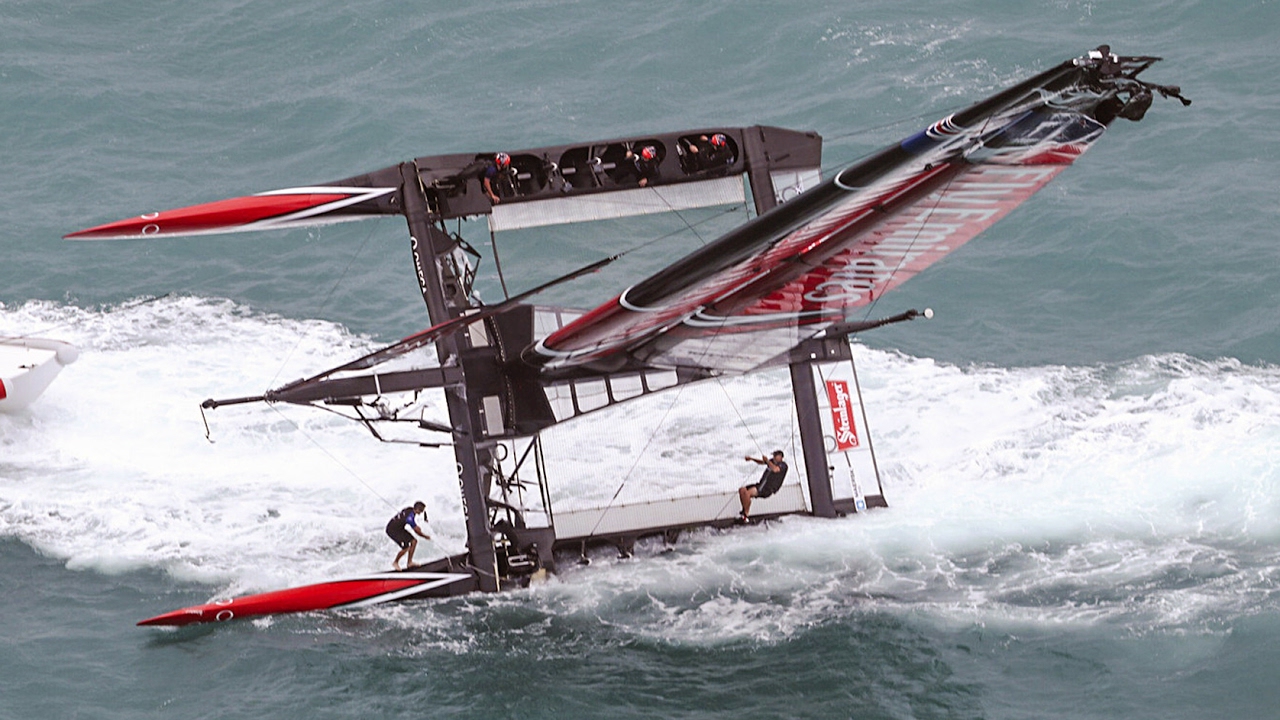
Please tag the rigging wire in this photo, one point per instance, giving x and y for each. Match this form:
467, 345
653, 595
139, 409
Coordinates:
678, 231
914, 118
794, 423
940, 196
870, 307
497, 264
647, 443
328, 296
671, 208
658, 427
747, 476
333, 457
123, 306
754, 439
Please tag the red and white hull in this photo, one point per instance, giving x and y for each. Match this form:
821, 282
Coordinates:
290, 207
359, 591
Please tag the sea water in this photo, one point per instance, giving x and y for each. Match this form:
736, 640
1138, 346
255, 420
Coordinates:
1079, 451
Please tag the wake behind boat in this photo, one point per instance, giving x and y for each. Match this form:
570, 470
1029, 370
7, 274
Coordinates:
28, 366
786, 289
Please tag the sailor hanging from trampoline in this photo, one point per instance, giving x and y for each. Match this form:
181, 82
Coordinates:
775, 472
397, 532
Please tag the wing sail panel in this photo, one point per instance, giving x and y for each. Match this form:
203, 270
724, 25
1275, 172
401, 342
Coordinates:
747, 331
788, 274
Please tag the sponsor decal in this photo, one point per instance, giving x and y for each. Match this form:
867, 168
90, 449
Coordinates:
916, 239
842, 415
419, 268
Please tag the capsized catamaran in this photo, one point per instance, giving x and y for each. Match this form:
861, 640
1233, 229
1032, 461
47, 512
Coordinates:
783, 289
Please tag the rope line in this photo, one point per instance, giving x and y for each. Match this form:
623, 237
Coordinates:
333, 457
625, 478
125, 306
328, 296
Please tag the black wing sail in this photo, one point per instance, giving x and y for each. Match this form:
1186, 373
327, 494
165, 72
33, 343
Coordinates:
743, 301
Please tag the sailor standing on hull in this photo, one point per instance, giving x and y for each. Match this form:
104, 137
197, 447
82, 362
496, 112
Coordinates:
775, 472
397, 532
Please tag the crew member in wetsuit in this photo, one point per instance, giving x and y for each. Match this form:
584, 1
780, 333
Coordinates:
775, 472
710, 152
646, 163
397, 532
500, 164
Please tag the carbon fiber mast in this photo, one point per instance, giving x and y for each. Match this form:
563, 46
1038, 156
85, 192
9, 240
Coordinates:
425, 242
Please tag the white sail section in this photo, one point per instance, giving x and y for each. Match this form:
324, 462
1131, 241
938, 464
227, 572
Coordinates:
619, 204
674, 513
788, 184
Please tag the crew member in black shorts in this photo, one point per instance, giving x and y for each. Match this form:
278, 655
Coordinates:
775, 472
397, 532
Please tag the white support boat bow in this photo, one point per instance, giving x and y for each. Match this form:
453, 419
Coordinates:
28, 366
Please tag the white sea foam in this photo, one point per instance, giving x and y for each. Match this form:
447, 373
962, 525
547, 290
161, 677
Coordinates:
1144, 493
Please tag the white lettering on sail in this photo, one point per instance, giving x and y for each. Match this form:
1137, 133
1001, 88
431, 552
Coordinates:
939, 223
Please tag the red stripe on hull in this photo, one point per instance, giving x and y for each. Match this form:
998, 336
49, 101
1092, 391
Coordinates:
220, 215
321, 596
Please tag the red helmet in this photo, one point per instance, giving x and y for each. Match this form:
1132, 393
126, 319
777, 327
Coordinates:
502, 160
719, 140
649, 152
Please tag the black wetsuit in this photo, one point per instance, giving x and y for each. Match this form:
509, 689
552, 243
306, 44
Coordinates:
501, 181
770, 481
709, 157
396, 531
715, 158
645, 169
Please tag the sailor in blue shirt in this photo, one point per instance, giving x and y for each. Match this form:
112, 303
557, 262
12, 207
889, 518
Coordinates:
397, 532
500, 165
